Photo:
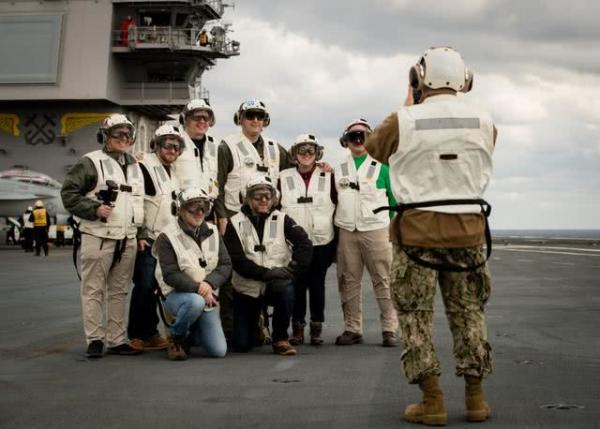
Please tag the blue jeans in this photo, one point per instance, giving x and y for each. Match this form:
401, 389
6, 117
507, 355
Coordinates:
143, 320
202, 328
246, 311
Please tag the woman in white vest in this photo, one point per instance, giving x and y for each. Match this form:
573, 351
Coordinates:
192, 264
197, 164
363, 185
105, 190
268, 251
160, 191
308, 196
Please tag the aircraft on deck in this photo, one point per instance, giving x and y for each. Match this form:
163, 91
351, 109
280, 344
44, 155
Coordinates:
21, 188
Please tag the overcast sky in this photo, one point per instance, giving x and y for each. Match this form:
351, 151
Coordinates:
318, 64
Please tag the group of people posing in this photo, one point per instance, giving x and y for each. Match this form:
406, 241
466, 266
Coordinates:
220, 230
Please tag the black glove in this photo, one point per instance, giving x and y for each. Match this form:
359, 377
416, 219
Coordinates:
278, 285
283, 273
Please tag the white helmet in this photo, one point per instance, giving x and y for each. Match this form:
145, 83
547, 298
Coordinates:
303, 139
191, 195
197, 104
251, 104
258, 182
38, 204
113, 121
441, 67
359, 121
165, 131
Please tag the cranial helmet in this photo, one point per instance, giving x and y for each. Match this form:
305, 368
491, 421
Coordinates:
191, 195
359, 121
165, 131
197, 104
251, 104
303, 139
39, 204
441, 67
259, 182
113, 121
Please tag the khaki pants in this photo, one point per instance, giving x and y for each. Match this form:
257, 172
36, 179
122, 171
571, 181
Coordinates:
98, 282
356, 250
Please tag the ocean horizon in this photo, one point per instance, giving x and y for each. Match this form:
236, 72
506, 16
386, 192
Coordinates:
584, 234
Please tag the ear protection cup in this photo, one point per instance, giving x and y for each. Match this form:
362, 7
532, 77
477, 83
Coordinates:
100, 136
416, 76
468, 81
320, 150
181, 119
343, 143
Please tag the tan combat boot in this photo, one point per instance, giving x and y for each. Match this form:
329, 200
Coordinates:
431, 411
477, 409
297, 334
316, 328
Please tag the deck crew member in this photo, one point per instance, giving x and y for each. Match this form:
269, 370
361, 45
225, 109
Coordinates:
41, 223
440, 157
27, 226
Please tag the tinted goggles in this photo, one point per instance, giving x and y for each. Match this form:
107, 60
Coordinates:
251, 115
356, 137
198, 206
260, 196
200, 117
170, 146
121, 135
306, 150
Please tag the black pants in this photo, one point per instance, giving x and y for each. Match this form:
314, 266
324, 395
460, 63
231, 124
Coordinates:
313, 282
28, 239
246, 311
40, 234
143, 320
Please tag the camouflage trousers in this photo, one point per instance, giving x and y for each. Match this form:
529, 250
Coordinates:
464, 295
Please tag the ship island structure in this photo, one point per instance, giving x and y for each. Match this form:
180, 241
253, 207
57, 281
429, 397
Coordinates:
68, 64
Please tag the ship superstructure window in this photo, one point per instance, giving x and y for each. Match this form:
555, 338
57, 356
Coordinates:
30, 48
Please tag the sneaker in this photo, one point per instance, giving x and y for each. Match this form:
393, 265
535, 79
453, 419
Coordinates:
123, 350
283, 348
156, 342
389, 339
175, 350
95, 349
348, 338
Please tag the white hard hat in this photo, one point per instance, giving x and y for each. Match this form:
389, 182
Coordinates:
303, 139
258, 182
194, 194
441, 67
197, 104
359, 121
113, 121
251, 104
165, 131
39, 203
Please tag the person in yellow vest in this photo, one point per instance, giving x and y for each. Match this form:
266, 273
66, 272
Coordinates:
193, 264
105, 189
160, 193
308, 196
363, 185
41, 223
440, 157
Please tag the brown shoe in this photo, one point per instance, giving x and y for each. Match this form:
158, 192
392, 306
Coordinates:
175, 350
137, 344
478, 409
316, 328
348, 338
297, 334
389, 339
431, 411
283, 348
156, 343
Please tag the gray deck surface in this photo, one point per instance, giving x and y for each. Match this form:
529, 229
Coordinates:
543, 321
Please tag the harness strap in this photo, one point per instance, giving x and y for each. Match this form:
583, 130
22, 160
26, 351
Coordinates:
486, 209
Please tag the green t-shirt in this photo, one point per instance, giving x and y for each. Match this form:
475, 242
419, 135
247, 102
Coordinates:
382, 182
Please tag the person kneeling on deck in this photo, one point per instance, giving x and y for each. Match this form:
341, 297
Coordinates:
192, 264
269, 251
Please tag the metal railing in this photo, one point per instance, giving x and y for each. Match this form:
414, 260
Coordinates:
216, 5
174, 38
155, 92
